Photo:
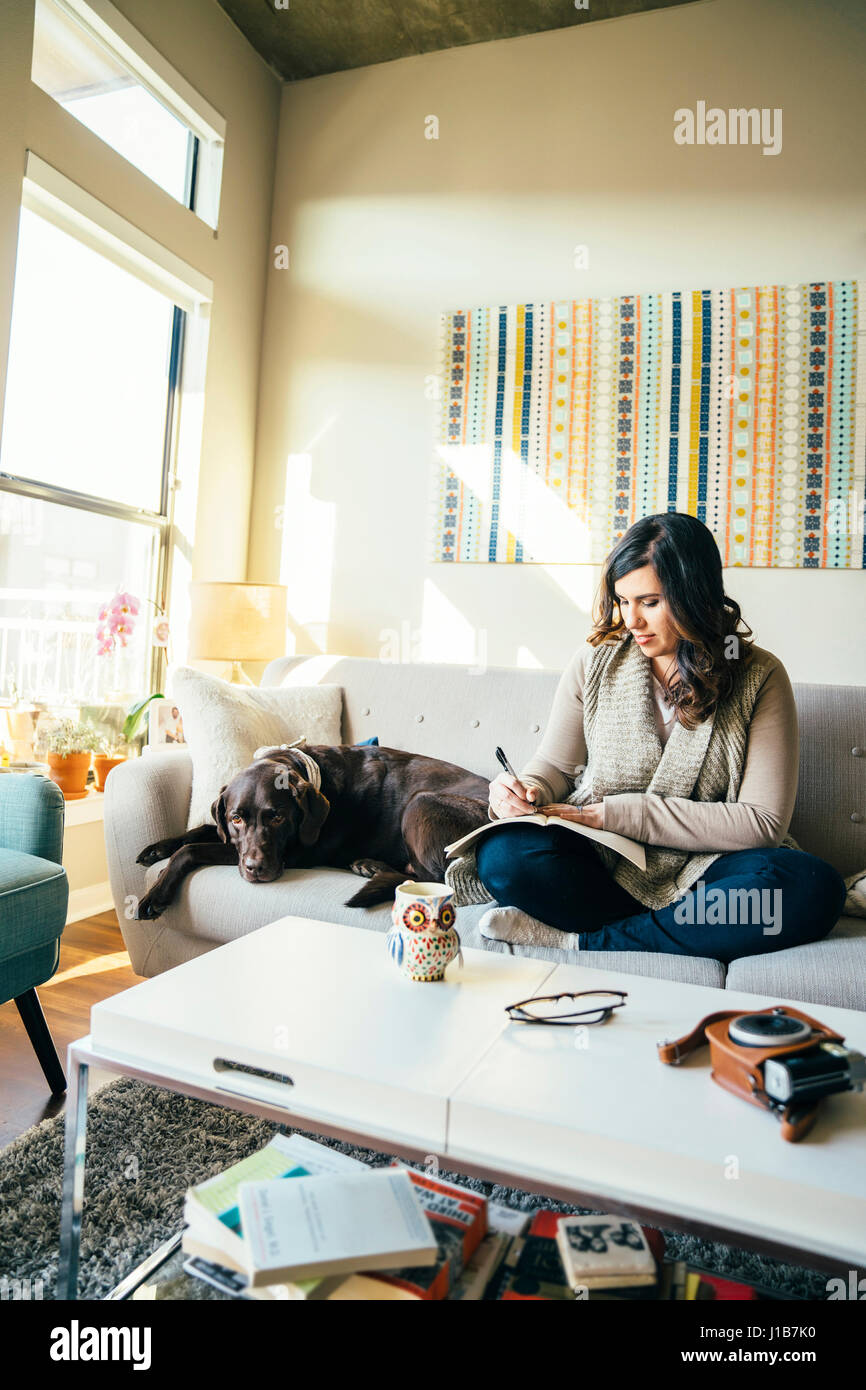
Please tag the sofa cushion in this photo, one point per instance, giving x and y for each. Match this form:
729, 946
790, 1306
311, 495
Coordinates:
443, 711
828, 816
832, 971
224, 724
217, 905
222, 907
687, 970
33, 898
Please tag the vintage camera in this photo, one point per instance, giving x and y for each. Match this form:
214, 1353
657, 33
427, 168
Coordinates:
778, 1058
806, 1074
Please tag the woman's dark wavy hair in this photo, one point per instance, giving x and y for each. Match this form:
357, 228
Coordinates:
686, 559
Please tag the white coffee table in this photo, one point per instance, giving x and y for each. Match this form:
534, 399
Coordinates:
437, 1069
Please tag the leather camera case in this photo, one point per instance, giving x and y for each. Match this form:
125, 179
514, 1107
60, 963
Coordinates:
738, 1067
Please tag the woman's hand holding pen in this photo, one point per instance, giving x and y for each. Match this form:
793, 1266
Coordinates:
509, 797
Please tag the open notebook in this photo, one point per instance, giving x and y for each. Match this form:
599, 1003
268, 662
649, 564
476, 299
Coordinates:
629, 849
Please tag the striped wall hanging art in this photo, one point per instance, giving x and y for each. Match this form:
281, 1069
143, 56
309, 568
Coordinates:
563, 423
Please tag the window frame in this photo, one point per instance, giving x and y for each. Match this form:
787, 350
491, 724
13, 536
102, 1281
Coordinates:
50, 195
161, 521
206, 128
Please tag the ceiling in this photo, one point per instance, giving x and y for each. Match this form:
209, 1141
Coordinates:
312, 37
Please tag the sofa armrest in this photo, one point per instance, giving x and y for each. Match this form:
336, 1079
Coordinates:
146, 799
31, 815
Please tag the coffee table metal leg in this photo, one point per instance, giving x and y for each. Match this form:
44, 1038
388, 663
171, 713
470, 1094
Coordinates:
72, 1200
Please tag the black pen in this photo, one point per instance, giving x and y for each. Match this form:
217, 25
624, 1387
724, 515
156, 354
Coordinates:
503, 761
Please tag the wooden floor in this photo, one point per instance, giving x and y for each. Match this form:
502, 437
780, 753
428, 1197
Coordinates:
93, 966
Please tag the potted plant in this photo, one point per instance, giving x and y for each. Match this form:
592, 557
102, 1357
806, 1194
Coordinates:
109, 754
134, 721
70, 745
115, 747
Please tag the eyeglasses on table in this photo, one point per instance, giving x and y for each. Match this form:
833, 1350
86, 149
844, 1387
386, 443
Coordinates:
586, 1006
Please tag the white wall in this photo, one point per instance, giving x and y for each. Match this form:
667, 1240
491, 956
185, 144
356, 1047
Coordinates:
545, 142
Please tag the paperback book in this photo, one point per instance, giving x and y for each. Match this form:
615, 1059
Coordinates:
333, 1224
458, 1217
632, 850
213, 1232
537, 1271
604, 1252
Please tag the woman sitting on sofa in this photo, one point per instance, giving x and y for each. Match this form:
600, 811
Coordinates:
684, 737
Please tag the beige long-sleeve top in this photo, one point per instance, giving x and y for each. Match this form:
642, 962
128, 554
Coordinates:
759, 819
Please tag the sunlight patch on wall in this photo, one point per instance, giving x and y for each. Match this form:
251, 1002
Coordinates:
527, 660
446, 633
579, 585
307, 552
530, 517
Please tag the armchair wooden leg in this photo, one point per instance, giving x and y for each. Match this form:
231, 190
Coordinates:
43, 1044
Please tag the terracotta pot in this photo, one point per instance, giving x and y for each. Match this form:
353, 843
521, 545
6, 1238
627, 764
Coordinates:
102, 765
70, 773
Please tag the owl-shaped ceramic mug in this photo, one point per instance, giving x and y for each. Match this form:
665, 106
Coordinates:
423, 939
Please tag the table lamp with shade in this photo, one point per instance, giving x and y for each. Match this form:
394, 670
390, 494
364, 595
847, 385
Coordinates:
237, 622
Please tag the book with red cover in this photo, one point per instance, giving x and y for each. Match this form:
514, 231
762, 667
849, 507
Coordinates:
728, 1288
459, 1220
539, 1273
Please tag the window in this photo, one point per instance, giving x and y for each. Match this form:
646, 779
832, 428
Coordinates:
89, 444
90, 60
57, 567
87, 379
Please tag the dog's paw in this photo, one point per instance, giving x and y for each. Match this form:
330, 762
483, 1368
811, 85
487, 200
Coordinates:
153, 854
368, 868
149, 908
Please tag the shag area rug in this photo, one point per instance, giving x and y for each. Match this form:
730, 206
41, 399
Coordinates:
146, 1146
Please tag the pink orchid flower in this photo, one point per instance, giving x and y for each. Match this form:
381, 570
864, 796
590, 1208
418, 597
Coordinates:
115, 622
125, 603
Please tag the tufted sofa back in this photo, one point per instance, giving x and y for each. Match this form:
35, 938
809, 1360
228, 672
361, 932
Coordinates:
461, 714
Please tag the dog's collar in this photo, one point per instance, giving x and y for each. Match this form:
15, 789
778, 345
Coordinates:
314, 772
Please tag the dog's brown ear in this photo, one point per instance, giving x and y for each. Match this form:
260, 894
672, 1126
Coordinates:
314, 811
218, 811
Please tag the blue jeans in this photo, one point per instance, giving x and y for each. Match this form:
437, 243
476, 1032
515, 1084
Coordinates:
746, 903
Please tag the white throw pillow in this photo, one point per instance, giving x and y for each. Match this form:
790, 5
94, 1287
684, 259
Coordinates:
224, 724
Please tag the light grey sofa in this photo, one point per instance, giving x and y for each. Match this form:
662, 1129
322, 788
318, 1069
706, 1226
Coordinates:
461, 715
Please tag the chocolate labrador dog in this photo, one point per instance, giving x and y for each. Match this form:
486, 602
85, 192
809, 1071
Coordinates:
380, 812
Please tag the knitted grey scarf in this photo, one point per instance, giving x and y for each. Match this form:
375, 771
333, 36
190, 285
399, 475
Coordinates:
625, 754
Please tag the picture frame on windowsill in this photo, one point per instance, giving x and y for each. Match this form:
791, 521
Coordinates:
164, 727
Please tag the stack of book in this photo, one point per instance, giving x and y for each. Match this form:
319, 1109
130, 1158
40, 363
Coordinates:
601, 1258
299, 1220
213, 1238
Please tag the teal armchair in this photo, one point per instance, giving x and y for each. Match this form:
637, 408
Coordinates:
34, 894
